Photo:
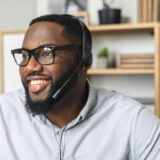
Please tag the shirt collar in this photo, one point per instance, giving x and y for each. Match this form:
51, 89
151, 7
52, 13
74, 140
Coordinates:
83, 113
91, 102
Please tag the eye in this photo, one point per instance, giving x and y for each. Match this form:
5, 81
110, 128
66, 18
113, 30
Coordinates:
46, 53
24, 56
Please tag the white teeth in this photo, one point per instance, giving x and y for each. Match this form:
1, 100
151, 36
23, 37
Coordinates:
37, 82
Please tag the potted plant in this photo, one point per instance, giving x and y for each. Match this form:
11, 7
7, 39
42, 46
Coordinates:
109, 15
102, 58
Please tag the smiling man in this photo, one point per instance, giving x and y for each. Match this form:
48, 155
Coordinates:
55, 57
59, 114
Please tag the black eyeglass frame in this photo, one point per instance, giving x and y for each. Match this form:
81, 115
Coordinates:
53, 48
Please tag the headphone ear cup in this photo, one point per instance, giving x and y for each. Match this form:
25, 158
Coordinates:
87, 58
86, 55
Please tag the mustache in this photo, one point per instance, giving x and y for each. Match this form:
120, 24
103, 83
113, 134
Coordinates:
36, 74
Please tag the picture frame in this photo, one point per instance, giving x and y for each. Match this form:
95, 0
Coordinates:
62, 7
9, 78
83, 16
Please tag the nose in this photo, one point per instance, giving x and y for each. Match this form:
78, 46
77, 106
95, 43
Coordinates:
33, 66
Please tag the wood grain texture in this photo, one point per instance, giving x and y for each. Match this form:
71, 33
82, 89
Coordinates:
157, 69
155, 11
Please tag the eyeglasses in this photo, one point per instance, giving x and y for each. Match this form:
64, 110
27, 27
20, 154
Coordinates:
44, 55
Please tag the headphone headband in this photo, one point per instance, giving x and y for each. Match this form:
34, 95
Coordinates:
86, 55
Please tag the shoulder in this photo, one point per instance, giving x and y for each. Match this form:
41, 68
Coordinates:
116, 101
130, 119
12, 100
116, 106
119, 107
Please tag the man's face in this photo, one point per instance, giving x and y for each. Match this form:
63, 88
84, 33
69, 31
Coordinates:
41, 81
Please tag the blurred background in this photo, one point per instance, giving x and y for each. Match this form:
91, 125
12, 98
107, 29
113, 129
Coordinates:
127, 27
18, 13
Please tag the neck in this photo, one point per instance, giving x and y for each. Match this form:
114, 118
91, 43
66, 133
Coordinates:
69, 106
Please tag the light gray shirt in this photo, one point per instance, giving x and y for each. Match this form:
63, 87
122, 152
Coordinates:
109, 127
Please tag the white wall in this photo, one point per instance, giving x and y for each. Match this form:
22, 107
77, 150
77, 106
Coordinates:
11, 77
129, 9
16, 14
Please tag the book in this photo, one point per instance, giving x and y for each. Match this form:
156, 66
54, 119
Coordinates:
144, 10
137, 56
155, 10
150, 10
135, 60
140, 11
137, 66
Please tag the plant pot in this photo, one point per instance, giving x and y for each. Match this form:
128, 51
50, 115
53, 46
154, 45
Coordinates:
109, 16
101, 62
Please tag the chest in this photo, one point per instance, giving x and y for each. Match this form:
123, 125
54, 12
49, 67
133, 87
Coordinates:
87, 140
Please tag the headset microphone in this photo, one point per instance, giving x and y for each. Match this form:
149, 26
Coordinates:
61, 89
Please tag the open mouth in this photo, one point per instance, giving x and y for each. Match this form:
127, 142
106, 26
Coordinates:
38, 85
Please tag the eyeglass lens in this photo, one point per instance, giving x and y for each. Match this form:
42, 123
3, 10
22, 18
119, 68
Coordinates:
43, 56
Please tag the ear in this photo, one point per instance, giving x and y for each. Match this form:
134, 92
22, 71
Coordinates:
84, 69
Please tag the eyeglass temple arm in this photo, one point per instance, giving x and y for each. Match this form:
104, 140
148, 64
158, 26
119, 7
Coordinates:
67, 47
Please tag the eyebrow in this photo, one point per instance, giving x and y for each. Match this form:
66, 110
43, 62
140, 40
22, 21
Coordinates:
65, 47
43, 45
48, 44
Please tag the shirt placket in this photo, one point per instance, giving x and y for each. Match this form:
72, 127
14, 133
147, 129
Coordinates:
60, 138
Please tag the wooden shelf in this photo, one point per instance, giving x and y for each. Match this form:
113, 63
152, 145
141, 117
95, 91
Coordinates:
146, 27
119, 71
154, 29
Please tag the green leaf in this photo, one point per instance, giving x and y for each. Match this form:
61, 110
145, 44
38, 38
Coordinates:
103, 53
105, 5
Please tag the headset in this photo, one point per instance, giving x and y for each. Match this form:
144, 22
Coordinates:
86, 54
85, 58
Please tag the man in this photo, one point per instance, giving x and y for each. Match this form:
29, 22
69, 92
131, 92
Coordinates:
59, 115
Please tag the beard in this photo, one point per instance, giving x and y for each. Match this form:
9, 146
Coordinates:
47, 104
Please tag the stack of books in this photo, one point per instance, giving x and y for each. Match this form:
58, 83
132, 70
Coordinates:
137, 61
148, 10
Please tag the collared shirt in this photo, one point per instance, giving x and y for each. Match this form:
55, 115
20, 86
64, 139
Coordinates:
110, 126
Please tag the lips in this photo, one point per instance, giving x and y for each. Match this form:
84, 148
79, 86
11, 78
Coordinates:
37, 84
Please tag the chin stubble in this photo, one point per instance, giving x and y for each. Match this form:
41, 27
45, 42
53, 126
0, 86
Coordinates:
47, 104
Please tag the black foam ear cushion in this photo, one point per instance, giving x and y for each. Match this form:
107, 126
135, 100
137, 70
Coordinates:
86, 54
87, 58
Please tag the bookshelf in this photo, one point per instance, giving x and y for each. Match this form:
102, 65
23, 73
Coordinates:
148, 10
119, 71
152, 27
123, 28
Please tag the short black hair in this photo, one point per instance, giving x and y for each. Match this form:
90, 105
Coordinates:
71, 24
